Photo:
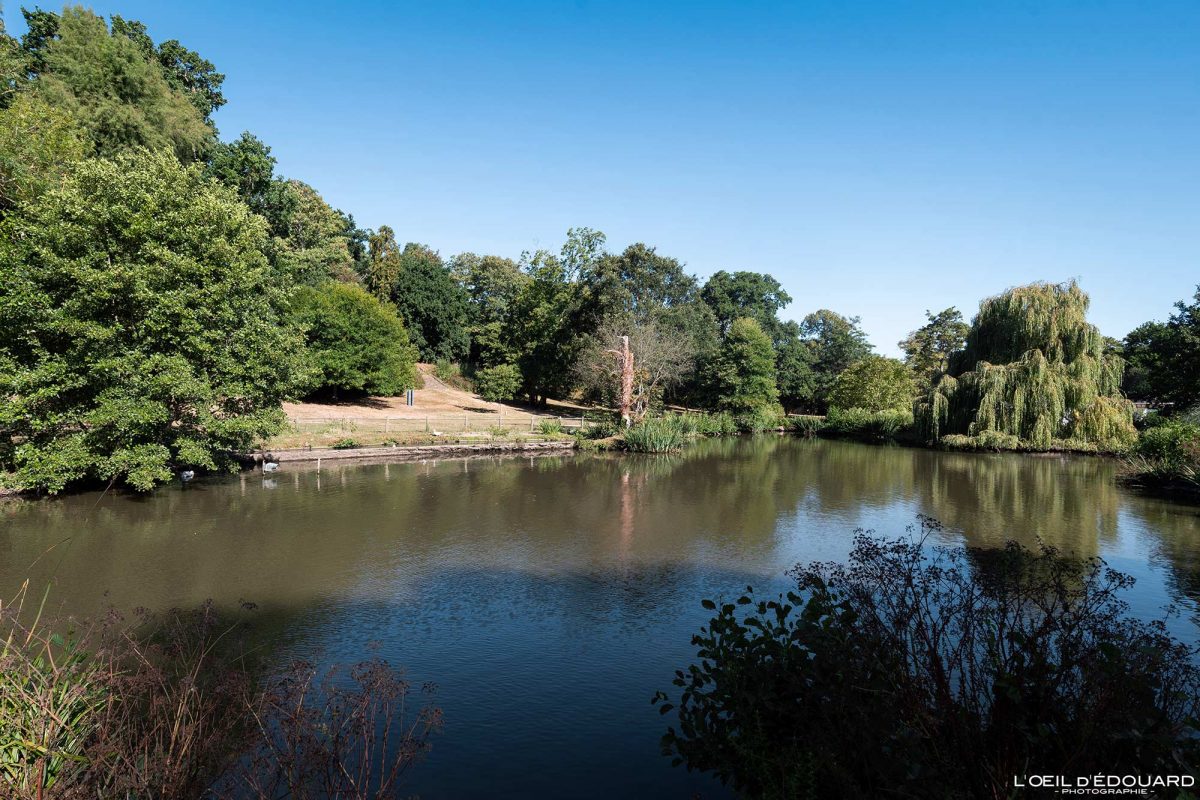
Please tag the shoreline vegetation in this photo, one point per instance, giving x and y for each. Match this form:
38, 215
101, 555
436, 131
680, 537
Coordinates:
184, 704
166, 293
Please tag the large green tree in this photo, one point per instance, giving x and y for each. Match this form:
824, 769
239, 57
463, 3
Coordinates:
38, 145
184, 70
142, 328
432, 304
927, 350
1164, 358
794, 367
835, 342
118, 95
383, 262
875, 383
247, 166
492, 284
544, 329
743, 371
315, 243
1033, 370
356, 341
638, 281
745, 294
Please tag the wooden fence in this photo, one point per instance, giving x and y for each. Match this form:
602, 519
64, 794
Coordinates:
437, 423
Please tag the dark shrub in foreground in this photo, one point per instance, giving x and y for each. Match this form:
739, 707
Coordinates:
170, 708
919, 671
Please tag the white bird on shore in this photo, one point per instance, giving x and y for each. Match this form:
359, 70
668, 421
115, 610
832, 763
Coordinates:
270, 466
437, 433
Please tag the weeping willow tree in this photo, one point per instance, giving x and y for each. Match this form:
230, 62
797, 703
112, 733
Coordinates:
1033, 373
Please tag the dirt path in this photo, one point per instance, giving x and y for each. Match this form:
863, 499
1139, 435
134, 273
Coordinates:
435, 399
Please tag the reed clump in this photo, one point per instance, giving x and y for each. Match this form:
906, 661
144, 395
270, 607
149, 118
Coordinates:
175, 706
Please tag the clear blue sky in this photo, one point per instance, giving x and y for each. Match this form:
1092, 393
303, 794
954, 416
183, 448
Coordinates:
879, 158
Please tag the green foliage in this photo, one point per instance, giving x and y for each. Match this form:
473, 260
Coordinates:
1164, 365
492, 285
184, 70
743, 371
313, 244
498, 383
794, 359
656, 435
142, 328
247, 166
545, 324
383, 262
118, 95
356, 342
1177, 442
432, 304
550, 427
639, 283
50, 696
348, 443
867, 424
875, 383
760, 419
718, 424
13, 71
806, 424
987, 441
835, 342
927, 350
1167, 456
745, 294
38, 146
174, 706
1033, 368
933, 672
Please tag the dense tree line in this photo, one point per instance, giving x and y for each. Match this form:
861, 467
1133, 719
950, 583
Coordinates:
132, 234
165, 290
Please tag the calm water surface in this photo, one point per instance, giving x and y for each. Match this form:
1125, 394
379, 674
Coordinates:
550, 597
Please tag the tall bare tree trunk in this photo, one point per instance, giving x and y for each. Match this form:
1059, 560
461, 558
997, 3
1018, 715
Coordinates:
626, 382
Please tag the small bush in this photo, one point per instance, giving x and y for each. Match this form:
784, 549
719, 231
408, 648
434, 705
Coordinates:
763, 418
598, 430
805, 425
1167, 455
345, 444
655, 435
934, 672
859, 423
499, 383
550, 427
721, 423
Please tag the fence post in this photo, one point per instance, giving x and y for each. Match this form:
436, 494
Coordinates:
386, 423
531, 423
466, 421
427, 423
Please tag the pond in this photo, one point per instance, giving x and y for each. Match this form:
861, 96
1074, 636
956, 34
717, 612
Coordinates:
549, 597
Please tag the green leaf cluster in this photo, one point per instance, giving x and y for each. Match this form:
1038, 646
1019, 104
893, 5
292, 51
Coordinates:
143, 327
355, 341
